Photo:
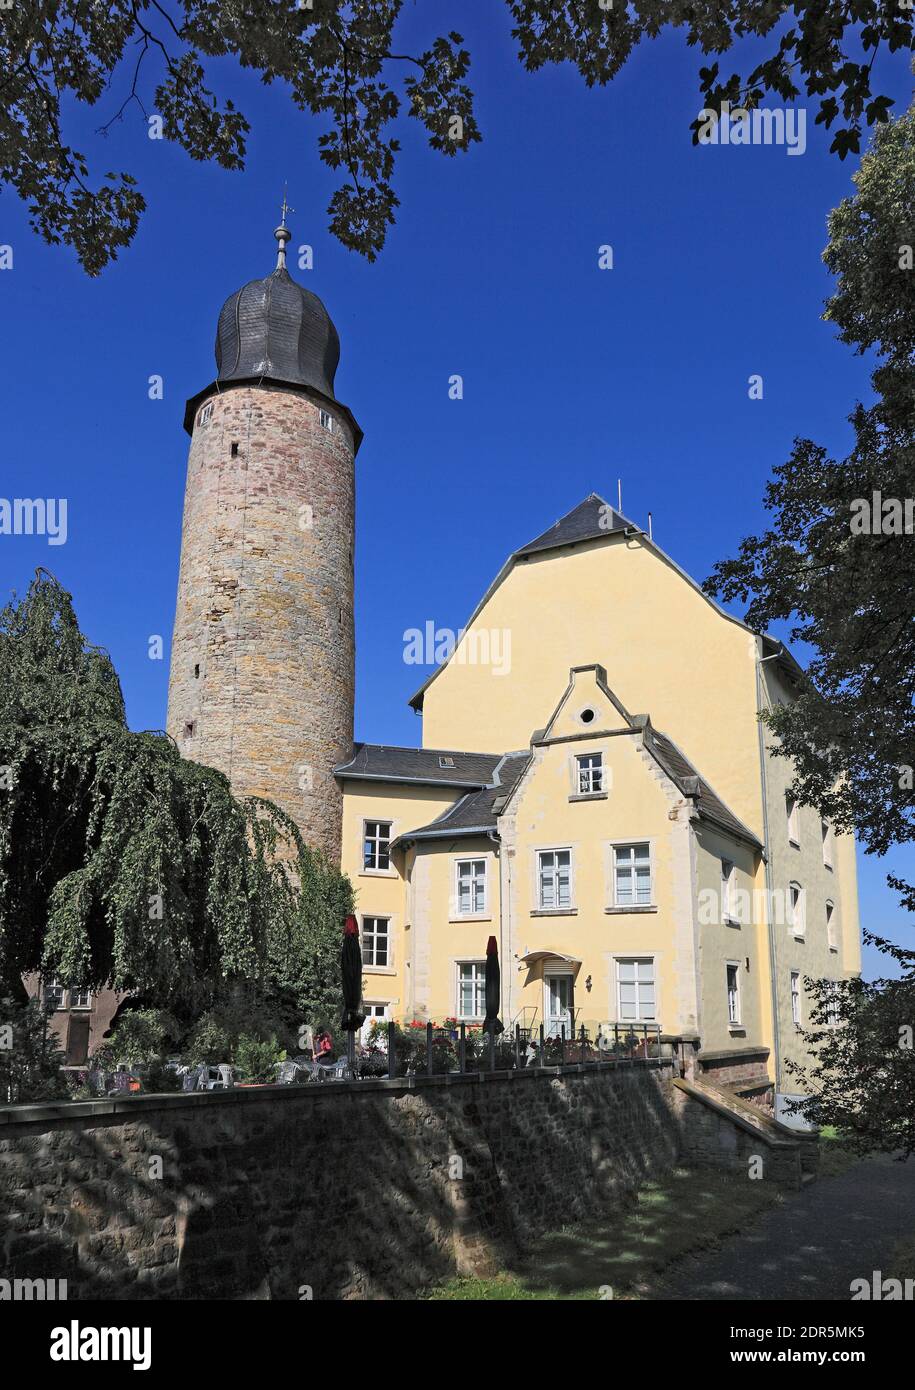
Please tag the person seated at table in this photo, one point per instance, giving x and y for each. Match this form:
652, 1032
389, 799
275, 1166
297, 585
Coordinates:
324, 1046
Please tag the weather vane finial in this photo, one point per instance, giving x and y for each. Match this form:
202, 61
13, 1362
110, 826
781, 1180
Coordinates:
282, 233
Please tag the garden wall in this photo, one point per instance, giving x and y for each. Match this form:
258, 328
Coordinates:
330, 1191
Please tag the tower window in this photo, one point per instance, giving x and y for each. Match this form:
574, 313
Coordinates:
189, 728
234, 448
196, 673
327, 420
205, 413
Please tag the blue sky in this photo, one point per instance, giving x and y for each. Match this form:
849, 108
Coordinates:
573, 376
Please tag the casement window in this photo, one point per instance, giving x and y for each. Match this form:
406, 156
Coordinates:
470, 887
327, 421
727, 884
80, 998
376, 941
471, 991
205, 415
827, 845
589, 774
635, 985
376, 852
793, 831
832, 1002
632, 875
54, 995
796, 997
554, 877
733, 981
831, 941
797, 909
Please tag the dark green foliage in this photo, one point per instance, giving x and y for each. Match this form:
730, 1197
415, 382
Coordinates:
30, 1059
123, 864
143, 58
863, 1076
850, 593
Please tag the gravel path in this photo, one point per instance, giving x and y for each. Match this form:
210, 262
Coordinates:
833, 1231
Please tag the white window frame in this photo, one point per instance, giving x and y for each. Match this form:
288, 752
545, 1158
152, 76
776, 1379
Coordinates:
589, 775
728, 871
798, 909
827, 845
832, 1004
57, 989
794, 981
734, 1016
388, 938
478, 986
377, 841
75, 1000
474, 912
327, 421
556, 905
627, 959
794, 830
831, 937
634, 904
206, 413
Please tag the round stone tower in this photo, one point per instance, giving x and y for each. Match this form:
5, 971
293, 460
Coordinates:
262, 665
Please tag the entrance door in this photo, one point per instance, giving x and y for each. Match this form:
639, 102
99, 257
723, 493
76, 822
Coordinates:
78, 1040
558, 1004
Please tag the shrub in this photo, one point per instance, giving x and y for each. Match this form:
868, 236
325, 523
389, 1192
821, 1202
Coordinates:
30, 1059
256, 1060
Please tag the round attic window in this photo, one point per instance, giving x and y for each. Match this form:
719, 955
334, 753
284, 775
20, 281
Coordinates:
586, 716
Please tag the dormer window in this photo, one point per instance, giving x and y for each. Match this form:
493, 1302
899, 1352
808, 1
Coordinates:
445, 763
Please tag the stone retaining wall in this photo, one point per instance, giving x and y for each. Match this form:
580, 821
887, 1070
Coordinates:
352, 1192
329, 1191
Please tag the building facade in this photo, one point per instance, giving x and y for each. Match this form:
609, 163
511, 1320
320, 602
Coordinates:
627, 839
626, 836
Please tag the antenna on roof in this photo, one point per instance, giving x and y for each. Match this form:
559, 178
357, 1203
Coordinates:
649, 526
619, 496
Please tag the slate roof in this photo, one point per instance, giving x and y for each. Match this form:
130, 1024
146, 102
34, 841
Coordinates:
590, 520
383, 762
276, 328
709, 805
477, 810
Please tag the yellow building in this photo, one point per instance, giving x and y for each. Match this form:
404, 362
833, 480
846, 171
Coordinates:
626, 838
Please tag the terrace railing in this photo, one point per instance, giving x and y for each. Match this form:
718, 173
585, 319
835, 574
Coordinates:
457, 1048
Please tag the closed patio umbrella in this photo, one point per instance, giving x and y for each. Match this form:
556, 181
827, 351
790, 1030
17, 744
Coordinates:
351, 980
491, 1022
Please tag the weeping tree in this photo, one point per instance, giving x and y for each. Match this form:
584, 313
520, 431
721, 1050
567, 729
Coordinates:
122, 864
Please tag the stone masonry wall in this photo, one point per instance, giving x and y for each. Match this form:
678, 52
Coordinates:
262, 665
352, 1192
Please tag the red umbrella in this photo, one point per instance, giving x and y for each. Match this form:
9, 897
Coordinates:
491, 1022
351, 977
